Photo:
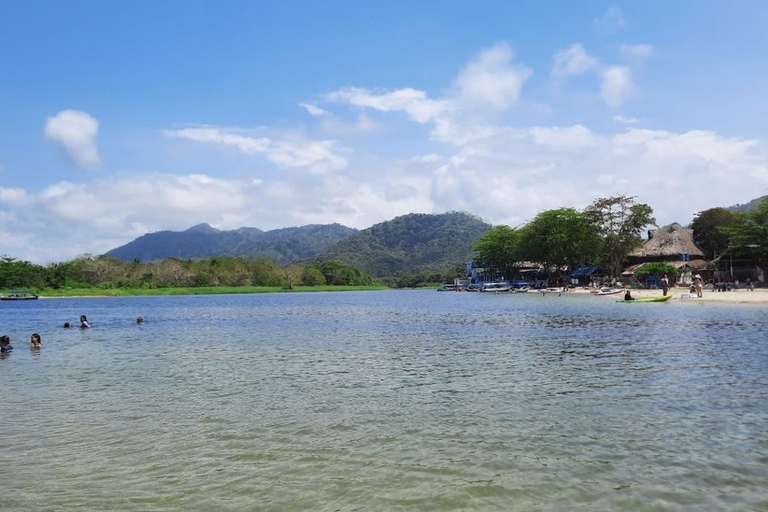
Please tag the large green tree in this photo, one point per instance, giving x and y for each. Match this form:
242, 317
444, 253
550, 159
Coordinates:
751, 235
562, 237
621, 220
499, 250
708, 230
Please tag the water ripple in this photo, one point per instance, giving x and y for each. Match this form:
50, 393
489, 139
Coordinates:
385, 401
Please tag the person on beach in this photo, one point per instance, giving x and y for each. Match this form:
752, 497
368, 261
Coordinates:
664, 285
84, 322
139, 320
628, 295
750, 286
36, 341
5, 345
698, 285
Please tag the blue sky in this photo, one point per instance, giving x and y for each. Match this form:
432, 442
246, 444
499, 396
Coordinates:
122, 118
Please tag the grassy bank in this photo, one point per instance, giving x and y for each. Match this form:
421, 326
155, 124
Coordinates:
208, 290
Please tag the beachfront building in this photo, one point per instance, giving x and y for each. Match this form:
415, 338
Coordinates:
672, 244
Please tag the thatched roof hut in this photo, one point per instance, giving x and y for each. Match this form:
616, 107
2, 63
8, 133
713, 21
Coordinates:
667, 244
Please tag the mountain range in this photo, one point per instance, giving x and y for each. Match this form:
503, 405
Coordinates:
283, 246
410, 242
746, 207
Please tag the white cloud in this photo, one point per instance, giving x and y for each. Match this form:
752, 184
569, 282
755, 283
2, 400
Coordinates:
616, 85
76, 132
506, 177
637, 50
573, 60
295, 151
13, 195
313, 110
333, 126
625, 120
512, 175
427, 159
488, 85
491, 80
411, 101
611, 21
569, 138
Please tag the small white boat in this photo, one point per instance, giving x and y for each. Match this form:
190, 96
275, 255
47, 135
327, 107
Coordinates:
609, 291
496, 287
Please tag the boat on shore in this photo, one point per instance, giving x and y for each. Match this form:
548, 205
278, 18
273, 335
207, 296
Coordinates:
499, 287
608, 291
21, 294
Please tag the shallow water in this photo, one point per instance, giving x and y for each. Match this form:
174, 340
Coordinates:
410, 400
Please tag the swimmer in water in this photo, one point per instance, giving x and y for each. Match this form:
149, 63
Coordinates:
66, 325
5, 345
84, 322
36, 341
139, 320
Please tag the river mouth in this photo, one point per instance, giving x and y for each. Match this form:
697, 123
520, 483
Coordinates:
387, 400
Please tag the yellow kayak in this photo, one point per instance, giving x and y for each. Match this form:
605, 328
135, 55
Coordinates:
663, 298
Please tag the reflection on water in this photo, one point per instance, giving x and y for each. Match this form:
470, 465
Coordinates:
385, 401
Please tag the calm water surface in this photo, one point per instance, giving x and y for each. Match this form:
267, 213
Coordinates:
384, 401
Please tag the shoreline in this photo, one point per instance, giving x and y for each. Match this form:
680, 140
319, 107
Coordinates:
79, 293
758, 296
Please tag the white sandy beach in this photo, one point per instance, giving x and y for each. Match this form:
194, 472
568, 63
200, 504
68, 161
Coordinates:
742, 296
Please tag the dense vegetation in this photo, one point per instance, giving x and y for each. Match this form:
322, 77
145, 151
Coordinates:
747, 207
411, 243
602, 235
720, 232
657, 269
109, 273
708, 230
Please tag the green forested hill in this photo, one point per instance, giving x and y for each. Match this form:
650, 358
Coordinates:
414, 242
282, 246
743, 208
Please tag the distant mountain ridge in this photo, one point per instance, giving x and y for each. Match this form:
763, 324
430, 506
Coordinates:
283, 246
744, 208
417, 241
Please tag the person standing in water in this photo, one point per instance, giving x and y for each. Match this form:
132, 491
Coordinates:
36, 341
84, 322
5, 345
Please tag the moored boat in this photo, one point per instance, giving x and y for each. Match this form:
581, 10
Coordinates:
608, 291
22, 294
502, 286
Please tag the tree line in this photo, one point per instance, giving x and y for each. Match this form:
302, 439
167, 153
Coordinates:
604, 233
105, 273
